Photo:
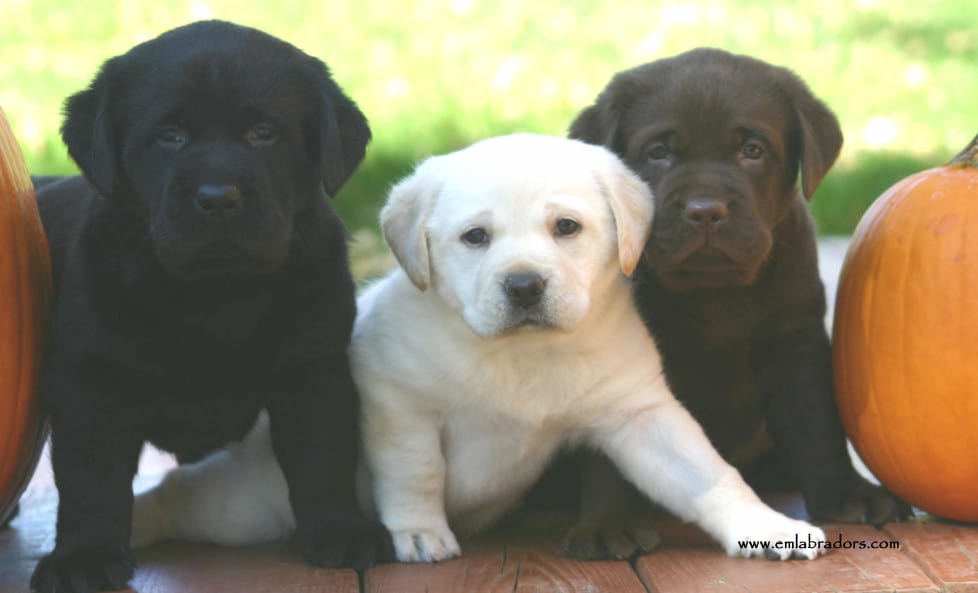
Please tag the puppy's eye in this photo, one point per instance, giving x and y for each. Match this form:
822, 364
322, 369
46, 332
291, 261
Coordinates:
566, 227
171, 136
752, 150
659, 152
261, 134
475, 237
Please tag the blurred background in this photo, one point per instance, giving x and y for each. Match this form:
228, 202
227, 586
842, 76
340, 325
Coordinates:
435, 75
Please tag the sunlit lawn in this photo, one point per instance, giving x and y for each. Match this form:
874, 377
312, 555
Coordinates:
435, 75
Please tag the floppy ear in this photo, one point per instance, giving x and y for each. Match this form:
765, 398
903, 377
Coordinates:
632, 207
404, 220
821, 137
89, 132
597, 124
343, 133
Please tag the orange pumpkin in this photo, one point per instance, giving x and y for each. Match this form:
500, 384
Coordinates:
25, 289
905, 338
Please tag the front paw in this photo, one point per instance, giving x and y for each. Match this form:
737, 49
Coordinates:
425, 545
349, 541
86, 571
612, 539
765, 532
861, 502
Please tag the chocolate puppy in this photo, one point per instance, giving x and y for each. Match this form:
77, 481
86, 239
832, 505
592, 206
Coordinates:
728, 283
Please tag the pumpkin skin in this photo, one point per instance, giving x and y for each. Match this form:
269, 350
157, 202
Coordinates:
905, 338
25, 290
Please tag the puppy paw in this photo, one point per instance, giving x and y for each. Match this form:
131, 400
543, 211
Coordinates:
611, 540
425, 545
770, 534
352, 542
861, 502
88, 571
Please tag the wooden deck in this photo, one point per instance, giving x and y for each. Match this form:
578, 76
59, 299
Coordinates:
525, 558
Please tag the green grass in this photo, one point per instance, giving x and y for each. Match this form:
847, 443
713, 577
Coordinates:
435, 75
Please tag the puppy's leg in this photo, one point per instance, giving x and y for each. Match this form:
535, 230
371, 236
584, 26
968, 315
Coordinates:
491, 465
94, 461
235, 496
403, 451
665, 452
615, 520
315, 436
795, 375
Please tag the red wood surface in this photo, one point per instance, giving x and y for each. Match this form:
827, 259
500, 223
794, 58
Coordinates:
525, 557
947, 552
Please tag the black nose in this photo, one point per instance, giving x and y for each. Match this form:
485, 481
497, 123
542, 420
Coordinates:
217, 201
705, 213
524, 290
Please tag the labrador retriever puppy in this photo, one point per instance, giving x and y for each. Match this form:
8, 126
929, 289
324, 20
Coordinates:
728, 281
200, 277
507, 333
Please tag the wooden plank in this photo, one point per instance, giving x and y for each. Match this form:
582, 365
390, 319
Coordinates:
534, 552
542, 570
482, 568
523, 557
178, 568
706, 569
947, 552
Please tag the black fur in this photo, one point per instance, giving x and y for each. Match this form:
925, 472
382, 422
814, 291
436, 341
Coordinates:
177, 319
736, 304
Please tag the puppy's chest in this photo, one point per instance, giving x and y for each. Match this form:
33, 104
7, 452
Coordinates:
180, 360
541, 392
187, 329
193, 411
720, 321
182, 365
180, 339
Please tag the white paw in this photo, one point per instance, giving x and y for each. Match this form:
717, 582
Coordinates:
425, 545
769, 534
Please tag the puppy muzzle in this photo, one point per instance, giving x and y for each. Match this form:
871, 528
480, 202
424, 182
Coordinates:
706, 235
216, 245
708, 257
527, 303
524, 291
219, 225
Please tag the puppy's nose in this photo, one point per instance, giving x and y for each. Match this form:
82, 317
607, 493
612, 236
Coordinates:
705, 213
524, 290
217, 201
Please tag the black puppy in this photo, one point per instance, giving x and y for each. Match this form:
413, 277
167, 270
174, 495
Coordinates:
201, 276
729, 283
